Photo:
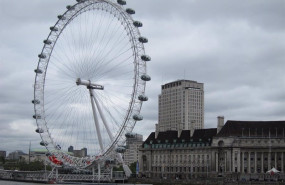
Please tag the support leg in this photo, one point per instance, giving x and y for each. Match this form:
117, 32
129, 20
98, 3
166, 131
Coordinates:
96, 121
104, 120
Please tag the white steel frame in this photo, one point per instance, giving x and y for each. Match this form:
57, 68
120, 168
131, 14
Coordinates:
138, 85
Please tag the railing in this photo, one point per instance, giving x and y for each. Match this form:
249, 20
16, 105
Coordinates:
42, 176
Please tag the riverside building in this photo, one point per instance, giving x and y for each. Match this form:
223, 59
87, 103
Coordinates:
237, 150
181, 106
132, 151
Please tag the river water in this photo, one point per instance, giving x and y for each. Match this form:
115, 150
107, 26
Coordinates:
28, 183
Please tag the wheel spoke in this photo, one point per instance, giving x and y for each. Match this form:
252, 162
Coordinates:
97, 43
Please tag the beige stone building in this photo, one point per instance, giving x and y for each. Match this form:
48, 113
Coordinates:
181, 106
132, 152
174, 154
238, 150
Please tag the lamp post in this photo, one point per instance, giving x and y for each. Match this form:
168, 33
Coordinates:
207, 166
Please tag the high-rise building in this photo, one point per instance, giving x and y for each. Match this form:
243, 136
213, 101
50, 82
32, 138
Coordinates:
133, 143
181, 106
3, 154
70, 149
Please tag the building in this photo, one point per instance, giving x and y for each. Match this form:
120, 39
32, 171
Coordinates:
237, 150
181, 106
132, 149
249, 147
3, 154
70, 149
173, 154
78, 153
16, 155
35, 155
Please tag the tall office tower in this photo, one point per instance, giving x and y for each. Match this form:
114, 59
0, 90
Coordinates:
133, 144
181, 106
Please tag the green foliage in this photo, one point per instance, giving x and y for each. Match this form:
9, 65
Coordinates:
133, 167
120, 168
23, 166
2, 159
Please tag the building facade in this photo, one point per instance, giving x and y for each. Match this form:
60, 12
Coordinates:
181, 106
132, 149
3, 154
172, 154
249, 147
77, 153
16, 155
241, 149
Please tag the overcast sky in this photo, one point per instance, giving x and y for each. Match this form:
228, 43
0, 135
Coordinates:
236, 48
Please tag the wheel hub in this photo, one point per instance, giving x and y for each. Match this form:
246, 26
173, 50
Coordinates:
89, 84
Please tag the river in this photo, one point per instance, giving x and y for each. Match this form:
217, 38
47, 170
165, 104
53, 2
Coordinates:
28, 183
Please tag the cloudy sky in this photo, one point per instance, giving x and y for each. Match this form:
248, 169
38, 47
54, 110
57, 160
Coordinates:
236, 48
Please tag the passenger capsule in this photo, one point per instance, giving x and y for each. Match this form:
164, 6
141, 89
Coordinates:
143, 98
80, 1
120, 149
36, 116
130, 135
145, 78
143, 39
48, 42
39, 130
58, 147
43, 143
122, 2
36, 101
130, 11
53, 28
38, 71
137, 117
70, 7
146, 58
137, 24
61, 17
42, 55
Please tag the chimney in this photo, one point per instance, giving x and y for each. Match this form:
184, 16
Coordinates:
156, 131
192, 128
220, 123
179, 131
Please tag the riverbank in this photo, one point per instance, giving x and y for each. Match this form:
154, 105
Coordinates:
209, 181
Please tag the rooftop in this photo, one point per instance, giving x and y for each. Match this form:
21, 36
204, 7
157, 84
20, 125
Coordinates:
253, 129
171, 136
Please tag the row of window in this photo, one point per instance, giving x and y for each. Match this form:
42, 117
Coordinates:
181, 169
180, 157
181, 145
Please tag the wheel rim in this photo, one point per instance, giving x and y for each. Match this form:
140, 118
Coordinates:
107, 53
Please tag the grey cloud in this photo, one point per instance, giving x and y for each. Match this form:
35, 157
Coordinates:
235, 48
265, 14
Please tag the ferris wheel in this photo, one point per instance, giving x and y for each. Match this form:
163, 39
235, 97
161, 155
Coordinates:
90, 83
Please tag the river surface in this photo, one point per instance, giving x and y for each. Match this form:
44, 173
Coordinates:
28, 183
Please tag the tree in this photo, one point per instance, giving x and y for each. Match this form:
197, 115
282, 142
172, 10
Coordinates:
133, 167
2, 159
118, 168
23, 166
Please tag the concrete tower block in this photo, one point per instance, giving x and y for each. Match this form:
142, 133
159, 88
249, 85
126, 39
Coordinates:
156, 130
220, 123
